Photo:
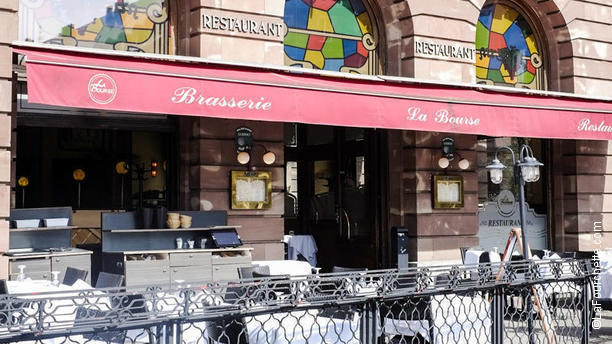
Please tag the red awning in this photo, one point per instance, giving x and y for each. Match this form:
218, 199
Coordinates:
175, 85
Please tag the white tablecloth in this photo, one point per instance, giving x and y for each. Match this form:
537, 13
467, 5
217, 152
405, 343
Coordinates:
60, 307
301, 327
301, 244
472, 257
457, 320
30, 286
286, 267
605, 276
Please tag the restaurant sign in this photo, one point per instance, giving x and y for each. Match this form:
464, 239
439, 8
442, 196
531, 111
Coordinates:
242, 25
497, 218
447, 50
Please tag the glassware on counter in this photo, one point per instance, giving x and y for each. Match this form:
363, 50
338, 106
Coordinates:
55, 281
21, 275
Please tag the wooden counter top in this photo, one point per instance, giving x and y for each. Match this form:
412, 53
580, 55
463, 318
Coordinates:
72, 252
185, 250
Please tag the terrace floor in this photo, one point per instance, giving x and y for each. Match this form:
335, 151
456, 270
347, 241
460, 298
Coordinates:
604, 334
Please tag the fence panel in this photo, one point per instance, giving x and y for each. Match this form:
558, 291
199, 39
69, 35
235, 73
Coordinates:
519, 302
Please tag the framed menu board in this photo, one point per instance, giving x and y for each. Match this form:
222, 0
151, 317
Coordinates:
447, 192
251, 189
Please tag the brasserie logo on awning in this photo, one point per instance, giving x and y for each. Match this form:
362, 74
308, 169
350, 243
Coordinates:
102, 89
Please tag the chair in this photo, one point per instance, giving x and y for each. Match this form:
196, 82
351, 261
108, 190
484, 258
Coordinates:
463, 250
536, 252
108, 280
4, 302
566, 254
246, 272
338, 269
84, 316
73, 274
409, 309
9, 307
280, 283
229, 330
518, 292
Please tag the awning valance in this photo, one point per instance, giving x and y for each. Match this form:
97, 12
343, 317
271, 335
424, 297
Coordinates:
167, 85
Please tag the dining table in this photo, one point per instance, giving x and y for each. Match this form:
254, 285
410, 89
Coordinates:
605, 275
285, 267
302, 326
472, 257
54, 306
456, 319
297, 326
29, 288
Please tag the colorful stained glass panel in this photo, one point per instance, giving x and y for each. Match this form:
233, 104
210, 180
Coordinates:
329, 34
506, 47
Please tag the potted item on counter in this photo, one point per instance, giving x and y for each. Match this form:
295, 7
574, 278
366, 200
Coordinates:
159, 217
145, 217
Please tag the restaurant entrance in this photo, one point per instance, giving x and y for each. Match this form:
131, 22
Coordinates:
338, 171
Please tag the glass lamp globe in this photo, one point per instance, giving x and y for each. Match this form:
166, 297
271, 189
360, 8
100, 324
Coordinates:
536, 174
530, 169
464, 164
243, 158
527, 173
443, 162
269, 158
496, 170
496, 175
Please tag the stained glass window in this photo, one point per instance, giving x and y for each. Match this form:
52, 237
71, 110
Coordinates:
333, 35
507, 49
133, 25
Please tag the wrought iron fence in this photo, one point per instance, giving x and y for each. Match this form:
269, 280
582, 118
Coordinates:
518, 302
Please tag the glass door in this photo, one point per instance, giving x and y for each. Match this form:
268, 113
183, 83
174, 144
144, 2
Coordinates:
336, 204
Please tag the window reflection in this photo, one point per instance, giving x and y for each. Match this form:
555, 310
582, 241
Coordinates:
136, 25
291, 194
535, 193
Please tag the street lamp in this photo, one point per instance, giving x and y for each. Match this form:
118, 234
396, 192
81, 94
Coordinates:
526, 169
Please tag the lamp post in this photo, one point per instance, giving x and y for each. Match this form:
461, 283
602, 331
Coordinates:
526, 169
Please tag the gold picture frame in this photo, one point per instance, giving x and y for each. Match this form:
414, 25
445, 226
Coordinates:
448, 192
251, 189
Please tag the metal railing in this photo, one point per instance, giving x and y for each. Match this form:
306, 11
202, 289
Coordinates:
518, 302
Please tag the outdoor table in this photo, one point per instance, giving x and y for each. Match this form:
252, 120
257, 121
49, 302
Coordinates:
457, 319
34, 287
301, 244
286, 267
556, 288
60, 304
472, 257
302, 326
605, 275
